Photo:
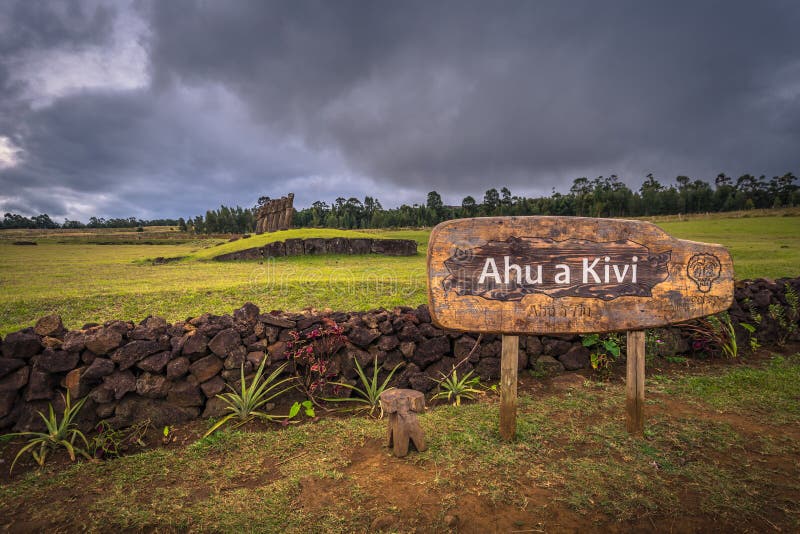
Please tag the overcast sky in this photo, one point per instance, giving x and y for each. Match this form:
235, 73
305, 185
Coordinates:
169, 108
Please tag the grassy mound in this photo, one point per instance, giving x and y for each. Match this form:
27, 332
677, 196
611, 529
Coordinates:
263, 239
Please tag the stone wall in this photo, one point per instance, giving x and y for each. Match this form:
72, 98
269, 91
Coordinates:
318, 245
172, 372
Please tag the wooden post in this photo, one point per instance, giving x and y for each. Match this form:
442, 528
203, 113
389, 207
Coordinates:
509, 362
634, 385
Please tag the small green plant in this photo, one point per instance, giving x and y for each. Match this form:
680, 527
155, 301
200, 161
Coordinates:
715, 334
723, 328
604, 351
370, 390
307, 406
786, 318
751, 336
247, 403
110, 442
454, 388
61, 433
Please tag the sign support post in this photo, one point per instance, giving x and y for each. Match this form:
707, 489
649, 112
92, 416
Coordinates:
509, 363
634, 383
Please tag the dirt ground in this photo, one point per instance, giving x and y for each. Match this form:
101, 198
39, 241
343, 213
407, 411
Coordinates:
416, 494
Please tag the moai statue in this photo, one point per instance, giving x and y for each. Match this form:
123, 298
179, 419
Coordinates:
275, 219
282, 214
288, 211
271, 217
275, 215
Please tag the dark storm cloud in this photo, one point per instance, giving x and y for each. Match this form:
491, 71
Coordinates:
134, 153
45, 24
393, 99
475, 93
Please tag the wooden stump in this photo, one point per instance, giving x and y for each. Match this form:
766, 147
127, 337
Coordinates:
401, 405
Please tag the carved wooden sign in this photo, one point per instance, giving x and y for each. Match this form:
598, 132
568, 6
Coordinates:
570, 275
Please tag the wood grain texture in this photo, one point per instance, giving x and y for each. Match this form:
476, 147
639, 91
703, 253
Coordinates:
676, 279
401, 406
509, 362
634, 383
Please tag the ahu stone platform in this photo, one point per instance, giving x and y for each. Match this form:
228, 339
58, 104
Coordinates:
318, 245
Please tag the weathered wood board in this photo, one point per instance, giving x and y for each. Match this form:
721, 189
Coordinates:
550, 275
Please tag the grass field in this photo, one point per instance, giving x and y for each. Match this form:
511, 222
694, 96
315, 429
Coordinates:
67, 273
719, 455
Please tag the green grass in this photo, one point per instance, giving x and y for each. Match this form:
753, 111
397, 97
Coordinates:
760, 246
84, 282
571, 453
773, 391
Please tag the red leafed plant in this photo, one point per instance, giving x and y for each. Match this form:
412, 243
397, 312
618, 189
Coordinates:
312, 352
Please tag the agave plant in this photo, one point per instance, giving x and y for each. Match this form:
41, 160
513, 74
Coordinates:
370, 390
247, 403
454, 388
61, 433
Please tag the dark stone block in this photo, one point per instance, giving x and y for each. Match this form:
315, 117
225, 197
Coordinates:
213, 387
10, 364
152, 386
394, 247
74, 341
99, 368
276, 249
40, 386
363, 336
225, 342
155, 363
57, 361
431, 350
177, 368
247, 313
49, 325
22, 344
127, 355
185, 394
575, 358
314, 246
359, 246
294, 247
488, 368
103, 341
15, 380
206, 368
120, 383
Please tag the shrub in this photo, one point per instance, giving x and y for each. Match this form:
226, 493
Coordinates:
312, 353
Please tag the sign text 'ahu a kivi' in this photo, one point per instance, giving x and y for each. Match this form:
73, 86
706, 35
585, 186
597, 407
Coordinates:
570, 275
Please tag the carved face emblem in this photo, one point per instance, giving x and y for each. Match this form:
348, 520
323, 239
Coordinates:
703, 269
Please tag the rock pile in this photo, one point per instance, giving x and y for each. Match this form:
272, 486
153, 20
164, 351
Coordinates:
172, 372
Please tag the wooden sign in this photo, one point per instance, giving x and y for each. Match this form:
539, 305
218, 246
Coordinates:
550, 275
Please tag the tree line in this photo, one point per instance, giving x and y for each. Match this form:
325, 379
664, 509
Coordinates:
43, 221
598, 197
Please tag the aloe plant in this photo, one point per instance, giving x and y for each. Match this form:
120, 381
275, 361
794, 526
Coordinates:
454, 388
370, 390
247, 403
61, 433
